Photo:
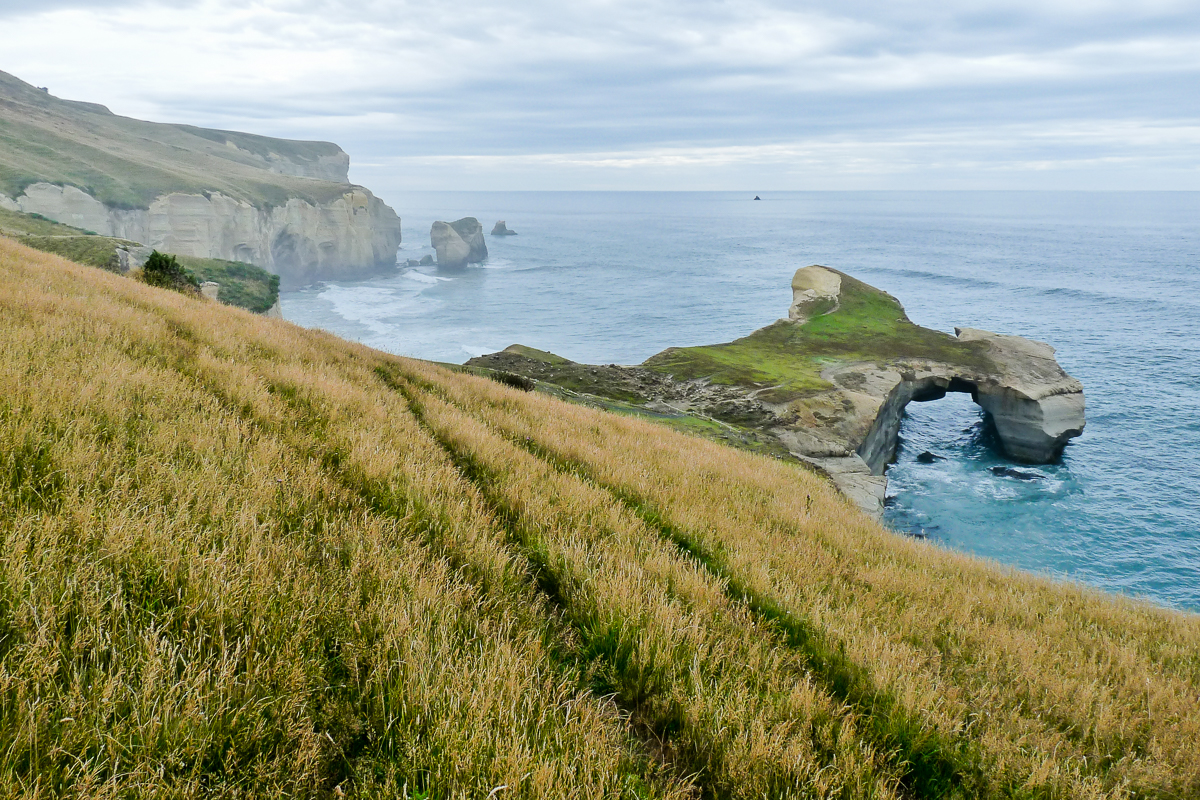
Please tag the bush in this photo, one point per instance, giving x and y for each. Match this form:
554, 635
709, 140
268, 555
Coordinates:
514, 380
166, 272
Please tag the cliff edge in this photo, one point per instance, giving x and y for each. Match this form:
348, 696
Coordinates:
282, 205
828, 384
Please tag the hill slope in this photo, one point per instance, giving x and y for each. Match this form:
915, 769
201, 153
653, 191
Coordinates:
283, 205
245, 559
127, 163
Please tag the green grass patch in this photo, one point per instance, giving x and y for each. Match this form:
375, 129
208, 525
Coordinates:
533, 353
19, 223
127, 163
242, 285
95, 251
868, 325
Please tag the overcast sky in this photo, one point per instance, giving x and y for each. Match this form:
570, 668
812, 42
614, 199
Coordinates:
620, 94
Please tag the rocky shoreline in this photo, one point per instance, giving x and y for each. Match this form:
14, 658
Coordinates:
829, 384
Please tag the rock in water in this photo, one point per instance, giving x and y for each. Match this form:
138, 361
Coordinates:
426, 260
500, 229
1009, 472
1037, 407
928, 458
458, 243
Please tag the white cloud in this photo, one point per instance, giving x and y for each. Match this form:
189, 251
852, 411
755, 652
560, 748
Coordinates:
664, 87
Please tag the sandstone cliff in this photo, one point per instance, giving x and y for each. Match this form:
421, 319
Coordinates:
829, 384
279, 204
300, 241
458, 243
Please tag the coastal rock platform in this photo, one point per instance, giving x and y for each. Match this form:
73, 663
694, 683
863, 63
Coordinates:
829, 384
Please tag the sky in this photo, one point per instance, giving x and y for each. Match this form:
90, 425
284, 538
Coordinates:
647, 95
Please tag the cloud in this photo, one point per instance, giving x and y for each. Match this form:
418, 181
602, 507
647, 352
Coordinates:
480, 80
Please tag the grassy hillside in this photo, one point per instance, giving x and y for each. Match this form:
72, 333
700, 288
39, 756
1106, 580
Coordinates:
242, 285
127, 163
244, 559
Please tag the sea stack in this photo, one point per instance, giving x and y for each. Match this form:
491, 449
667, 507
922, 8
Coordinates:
458, 243
500, 229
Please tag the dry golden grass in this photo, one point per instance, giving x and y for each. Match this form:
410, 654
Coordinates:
1050, 689
192, 605
243, 559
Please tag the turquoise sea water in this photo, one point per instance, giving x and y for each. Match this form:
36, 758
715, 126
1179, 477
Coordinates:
1112, 280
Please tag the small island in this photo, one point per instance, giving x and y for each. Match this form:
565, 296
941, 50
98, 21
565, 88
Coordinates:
458, 243
828, 384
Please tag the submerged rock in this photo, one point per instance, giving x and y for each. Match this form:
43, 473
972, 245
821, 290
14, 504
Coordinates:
1009, 472
458, 243
500, 229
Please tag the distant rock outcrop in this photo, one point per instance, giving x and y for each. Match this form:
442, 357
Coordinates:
458, 243
501, 229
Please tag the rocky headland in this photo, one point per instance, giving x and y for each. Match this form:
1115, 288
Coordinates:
286, 206
828, 384
458, 243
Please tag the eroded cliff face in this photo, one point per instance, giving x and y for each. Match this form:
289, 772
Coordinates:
458, 243
829, 384
353, 235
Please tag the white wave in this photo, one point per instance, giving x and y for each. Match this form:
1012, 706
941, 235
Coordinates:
421, 277
477, 350
369, 306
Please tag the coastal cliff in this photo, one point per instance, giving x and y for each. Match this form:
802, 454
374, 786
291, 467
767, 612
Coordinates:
828, 385
300, 241
282, 205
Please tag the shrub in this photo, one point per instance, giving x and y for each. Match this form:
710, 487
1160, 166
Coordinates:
514, 380
166, 272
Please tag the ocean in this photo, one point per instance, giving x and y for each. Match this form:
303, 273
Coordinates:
1112, 280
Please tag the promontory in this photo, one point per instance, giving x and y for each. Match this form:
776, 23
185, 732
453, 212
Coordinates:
828, 384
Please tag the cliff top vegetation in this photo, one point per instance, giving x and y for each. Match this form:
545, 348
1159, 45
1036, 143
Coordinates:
243, 285
127, 163
786, 360
245, 559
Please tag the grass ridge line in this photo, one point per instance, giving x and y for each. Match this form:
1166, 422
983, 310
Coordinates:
543, 578
932, 764
334, 462
482, 476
